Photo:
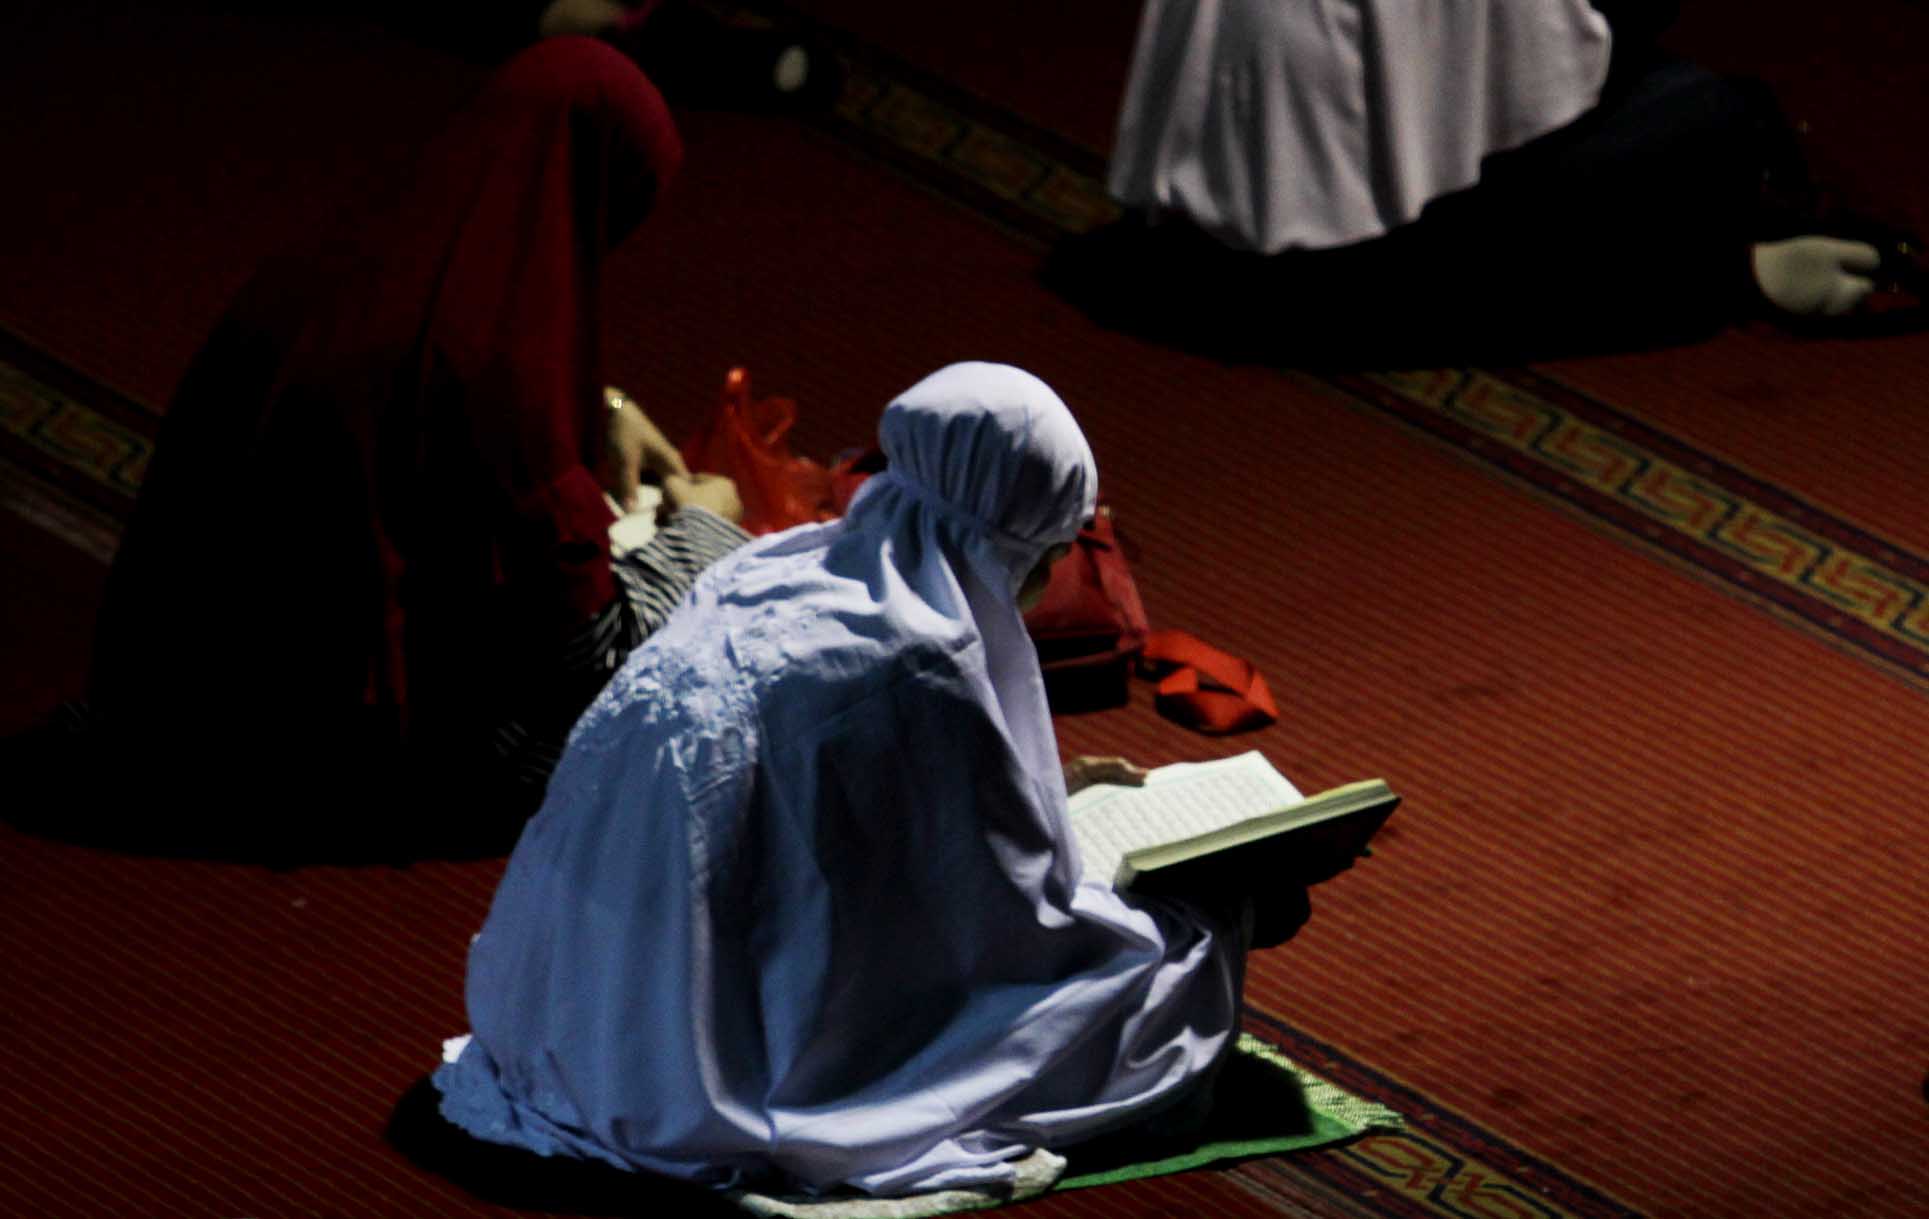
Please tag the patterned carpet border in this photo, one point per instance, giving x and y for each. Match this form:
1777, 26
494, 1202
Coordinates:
1862, 592
80, 438
1867, 594
1440, 1165
1027, 178
1011, 178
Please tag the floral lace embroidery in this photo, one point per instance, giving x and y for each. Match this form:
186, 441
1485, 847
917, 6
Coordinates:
690, 695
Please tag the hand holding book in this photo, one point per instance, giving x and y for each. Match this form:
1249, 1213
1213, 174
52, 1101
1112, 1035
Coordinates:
1232, 826
1088, 771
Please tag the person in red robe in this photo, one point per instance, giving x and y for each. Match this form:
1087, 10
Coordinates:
374, 536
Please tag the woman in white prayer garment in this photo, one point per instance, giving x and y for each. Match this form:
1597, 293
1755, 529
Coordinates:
1532, 174
802, 906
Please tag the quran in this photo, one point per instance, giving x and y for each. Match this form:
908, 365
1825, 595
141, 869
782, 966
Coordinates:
1195, 822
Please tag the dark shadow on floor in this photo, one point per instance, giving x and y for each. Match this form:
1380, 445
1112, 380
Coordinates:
1252, 1100
523, 1180
64, 785
1332, 314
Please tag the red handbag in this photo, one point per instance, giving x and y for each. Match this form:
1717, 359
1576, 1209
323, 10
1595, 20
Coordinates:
745, 440
1090, 624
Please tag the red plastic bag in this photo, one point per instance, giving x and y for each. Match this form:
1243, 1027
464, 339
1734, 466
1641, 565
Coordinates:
745, 440
1204, 688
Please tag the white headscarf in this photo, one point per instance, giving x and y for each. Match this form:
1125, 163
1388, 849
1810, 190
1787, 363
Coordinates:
802, 900
1276, 124
986, 472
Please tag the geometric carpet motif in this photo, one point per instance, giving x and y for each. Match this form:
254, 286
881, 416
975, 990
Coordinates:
80, 440
1862, 592
72, 454
70, 433
1440, 1165
1027, 178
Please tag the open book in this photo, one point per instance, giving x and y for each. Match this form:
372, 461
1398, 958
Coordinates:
1238, 805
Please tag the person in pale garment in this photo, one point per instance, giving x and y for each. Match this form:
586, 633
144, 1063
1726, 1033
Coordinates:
802, 909
1371, 170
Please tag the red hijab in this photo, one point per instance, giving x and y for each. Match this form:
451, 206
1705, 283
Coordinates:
372, 507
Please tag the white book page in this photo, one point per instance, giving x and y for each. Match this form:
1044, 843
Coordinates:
1176, 802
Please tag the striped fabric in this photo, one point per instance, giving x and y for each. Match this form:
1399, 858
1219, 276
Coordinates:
655, 577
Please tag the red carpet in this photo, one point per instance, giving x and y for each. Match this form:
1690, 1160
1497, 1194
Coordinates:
1644, 939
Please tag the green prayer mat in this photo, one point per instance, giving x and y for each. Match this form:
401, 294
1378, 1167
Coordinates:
1262, 1104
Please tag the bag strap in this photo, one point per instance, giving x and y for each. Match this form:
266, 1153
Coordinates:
1205, 688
